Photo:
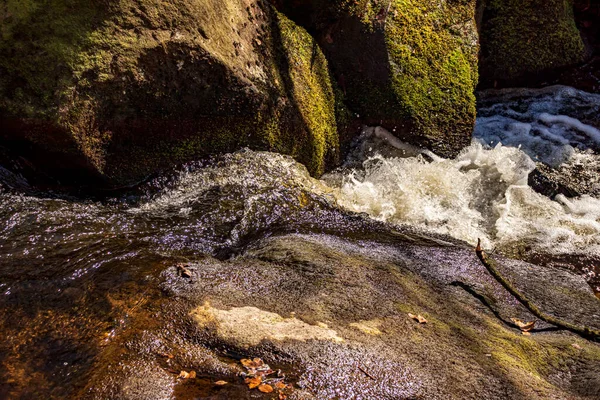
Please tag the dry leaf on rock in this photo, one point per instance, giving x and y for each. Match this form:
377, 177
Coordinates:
523, 326
253, 382
187, 375
265, 388
255, 363
418, 318
280, 385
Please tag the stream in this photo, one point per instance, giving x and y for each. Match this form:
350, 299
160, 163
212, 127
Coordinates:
78, 275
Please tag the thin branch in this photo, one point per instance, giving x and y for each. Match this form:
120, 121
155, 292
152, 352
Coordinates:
490, 265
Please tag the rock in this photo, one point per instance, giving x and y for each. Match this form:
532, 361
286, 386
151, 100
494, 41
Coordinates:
363, 292
523, 43
409, 66
106, 93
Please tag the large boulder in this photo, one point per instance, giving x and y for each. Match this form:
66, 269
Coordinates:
408, 65
525, 42
108, 92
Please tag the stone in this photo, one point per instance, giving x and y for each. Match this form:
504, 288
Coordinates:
524, 42
407, 65
106, 93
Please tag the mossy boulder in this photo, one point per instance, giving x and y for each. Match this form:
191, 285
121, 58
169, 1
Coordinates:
408, 65
108, 92
524, 41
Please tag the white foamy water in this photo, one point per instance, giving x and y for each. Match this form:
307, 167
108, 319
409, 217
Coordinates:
483, 193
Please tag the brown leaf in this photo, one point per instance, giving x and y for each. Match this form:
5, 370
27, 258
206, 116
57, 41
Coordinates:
184, 375
221, 383
265, 388
192, 375
183, 271
253, 382
418, 318
524, 326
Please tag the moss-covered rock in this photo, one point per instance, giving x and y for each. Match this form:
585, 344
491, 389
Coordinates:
118, 90
523, 41
408, 65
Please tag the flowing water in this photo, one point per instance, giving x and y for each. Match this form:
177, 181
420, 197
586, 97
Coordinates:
75, 257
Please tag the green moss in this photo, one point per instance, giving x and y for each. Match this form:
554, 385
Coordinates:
433, 69
409, 65
306, 71
40, 43
527, 37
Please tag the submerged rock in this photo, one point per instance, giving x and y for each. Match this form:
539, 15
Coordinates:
106, 93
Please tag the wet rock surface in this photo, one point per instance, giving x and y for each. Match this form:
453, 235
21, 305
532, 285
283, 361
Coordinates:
327, 290
333, 288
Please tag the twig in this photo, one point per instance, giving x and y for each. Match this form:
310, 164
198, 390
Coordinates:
365, 372
490, 265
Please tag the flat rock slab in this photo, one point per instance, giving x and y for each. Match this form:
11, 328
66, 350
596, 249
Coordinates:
332, 314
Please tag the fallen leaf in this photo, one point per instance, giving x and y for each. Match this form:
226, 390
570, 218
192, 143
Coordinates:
253, 382
221, 383
265, 388
575, 345
256, 363
280, 385
418, 318
192, 375
184, 375
183, 271
525, 333
524, 326
282, 396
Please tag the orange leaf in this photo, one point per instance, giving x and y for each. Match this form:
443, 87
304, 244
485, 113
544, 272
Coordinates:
265, 388
418, 318
258, 362
184, 375
280, 385
253, 382
524, 326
